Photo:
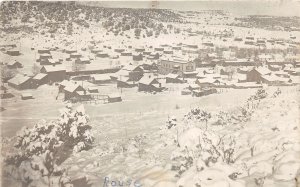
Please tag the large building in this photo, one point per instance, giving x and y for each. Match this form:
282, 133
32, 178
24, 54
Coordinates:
177, 65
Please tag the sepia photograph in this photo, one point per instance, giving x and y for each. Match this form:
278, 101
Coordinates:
196, 93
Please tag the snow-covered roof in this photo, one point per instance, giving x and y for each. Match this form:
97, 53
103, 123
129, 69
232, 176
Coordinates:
19, 79
39, 76
263, 70
101, 77
147, 80
172, 76
71, 87
51, 68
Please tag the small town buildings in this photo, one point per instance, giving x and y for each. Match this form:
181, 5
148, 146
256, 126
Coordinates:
135, 73
75, 55
42, 51
193, 87
126, 53
208, 82
39, 79
56, 73
50, 61
158, 49
176, 65
274, 67
100, 79
25, 96
44, 58
153, 56
149, 66
174, 78
20, 82
70, 51
73, 90
96, 50
93, 90
137, 57
14, 65
83, 60
102, 54
243, 70
13, 52
140, 49
149, 83
204, 92
119, 50
255, 75
274, 80
115, 97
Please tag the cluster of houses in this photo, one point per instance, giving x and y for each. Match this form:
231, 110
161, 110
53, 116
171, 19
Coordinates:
148, 69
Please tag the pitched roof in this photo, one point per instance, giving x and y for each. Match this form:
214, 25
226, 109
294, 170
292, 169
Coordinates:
19, 79
39, 76
263, 70
71, 87
147, 80
172, 76
130, 67
11, 63
101, 77
51, 68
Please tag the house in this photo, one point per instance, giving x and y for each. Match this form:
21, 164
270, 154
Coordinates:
112, 98
39, 79
203, 92
93, 90
50, 61
168, 51
193, 86
25, 96
158, 49
149, 66
153, 56
55, 73
73, 90
100, 78
20, 82
137, 57
139, 49
255, 75
174, 78
44, 58
13, 52
274, 67
102, 54
126, 53
149, 84
14, 65
243, 70
42, 51
208, 82
75, 55
177, 65
275, 80
119, 50
83, 60
69, 51
135, 73
96, 50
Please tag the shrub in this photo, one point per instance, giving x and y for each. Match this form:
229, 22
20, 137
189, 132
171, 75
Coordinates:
40, 150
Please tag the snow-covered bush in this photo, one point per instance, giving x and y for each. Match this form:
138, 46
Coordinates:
276, 93
208, 146
39, 151
199, 115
